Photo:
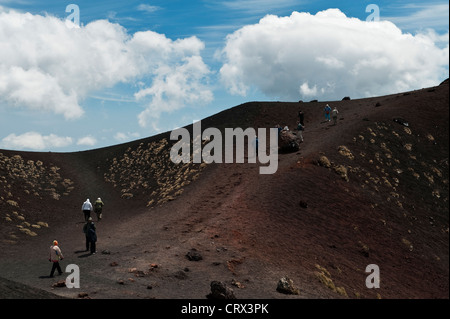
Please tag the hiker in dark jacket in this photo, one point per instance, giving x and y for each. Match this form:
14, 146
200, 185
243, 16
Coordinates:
90, 231
301, 117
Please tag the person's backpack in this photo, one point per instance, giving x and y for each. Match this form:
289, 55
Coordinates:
92, 234
98, 206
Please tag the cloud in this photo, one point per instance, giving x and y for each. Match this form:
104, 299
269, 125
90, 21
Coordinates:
47, 66
122, 137
87, 141
35, 141
257, 6
329, 55
175, 86
148, 8
424, 16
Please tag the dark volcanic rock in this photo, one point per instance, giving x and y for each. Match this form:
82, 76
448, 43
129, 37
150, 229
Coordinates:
219, 290
286, 286
194, 255
288, 141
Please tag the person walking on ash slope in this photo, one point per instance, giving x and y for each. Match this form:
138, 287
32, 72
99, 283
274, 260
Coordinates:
55, 256
86, 208
89, 230
327, 110
334, 114
300, 129
98, 207
301, 117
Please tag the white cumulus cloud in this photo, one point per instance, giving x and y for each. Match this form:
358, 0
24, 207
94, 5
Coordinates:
87, 141
329, 55
35, 141
121, 137
47, 66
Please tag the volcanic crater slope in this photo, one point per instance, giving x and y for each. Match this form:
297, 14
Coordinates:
370, 190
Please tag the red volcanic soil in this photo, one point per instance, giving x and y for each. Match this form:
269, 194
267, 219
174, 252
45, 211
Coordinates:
368, 190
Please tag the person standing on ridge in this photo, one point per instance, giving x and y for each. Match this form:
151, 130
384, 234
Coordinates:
327, 110
86, 208
55, 256
98, 207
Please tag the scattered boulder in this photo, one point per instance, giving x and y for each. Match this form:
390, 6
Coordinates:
153, 266
219, 290
303, 204
346, 98
59, 283
288, 141
286, 286
194, 255
378, 104
401, 121
237, 284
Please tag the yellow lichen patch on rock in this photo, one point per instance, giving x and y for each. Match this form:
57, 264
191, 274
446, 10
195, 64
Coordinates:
324, 277
324, 161
342, 171
408, 146
430, 137
344, 151
147, 170
28, 232
43, 224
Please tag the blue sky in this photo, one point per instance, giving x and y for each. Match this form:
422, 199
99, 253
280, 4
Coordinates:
136, 68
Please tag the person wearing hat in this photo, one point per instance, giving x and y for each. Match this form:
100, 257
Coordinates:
98, 206
89, 230
55, 256
327, 110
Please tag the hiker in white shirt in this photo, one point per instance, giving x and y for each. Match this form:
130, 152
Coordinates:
86, 208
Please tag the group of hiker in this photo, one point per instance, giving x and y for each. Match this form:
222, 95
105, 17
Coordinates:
331, 113
89, 230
